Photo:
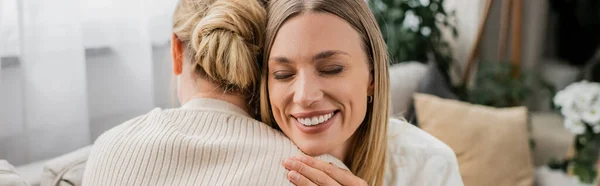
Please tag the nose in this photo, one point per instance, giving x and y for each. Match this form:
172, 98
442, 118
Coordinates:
307, 90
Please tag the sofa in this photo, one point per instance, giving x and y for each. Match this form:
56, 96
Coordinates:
520, 141
551, 139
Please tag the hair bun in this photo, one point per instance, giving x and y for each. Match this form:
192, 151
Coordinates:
227, 41
233, 16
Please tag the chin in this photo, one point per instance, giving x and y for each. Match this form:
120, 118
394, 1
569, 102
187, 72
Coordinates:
313, 148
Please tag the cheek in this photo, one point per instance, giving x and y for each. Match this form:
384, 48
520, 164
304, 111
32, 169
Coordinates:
359, 109
354, 97
275, 100
357, 101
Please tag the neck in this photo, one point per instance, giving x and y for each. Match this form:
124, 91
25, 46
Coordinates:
343, 153
209, 89
340, 153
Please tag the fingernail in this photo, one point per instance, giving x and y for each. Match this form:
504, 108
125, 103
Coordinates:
289, 162
294, 175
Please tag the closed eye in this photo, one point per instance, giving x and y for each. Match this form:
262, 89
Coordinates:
281, 75
332, 69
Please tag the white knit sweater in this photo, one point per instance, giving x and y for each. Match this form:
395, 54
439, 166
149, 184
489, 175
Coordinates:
205, 142
212, 142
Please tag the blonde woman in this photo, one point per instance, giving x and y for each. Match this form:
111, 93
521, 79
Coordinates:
212, 139
325, 85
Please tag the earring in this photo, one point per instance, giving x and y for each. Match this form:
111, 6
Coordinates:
370, 99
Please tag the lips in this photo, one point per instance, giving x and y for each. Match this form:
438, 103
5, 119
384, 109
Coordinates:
315, 122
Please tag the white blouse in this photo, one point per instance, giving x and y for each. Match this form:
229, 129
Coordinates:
417, 158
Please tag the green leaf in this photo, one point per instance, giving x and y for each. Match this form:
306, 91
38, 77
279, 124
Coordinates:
404, 44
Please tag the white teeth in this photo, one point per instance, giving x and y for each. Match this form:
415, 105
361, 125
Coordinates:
315, 120
305, 121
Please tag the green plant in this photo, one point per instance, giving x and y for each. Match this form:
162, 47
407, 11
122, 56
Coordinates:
497, 86
413, 30
583, 164
579, 104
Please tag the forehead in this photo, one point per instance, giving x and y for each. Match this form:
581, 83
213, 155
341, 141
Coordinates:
309, 33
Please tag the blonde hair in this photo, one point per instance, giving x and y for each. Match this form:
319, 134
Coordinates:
223, 38
367, 156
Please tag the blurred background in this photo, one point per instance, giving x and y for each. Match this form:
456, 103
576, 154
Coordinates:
72, 69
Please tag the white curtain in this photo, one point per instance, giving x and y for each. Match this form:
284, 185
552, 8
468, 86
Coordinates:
468, 16
1, 2
74, 68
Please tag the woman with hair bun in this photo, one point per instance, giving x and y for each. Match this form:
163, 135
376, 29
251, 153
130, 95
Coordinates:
213, 138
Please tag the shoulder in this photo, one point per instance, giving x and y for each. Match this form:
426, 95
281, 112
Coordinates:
128, 126
404, 137
415, 157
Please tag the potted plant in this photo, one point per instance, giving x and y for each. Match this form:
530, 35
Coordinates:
579, 103
496, 86
412, 30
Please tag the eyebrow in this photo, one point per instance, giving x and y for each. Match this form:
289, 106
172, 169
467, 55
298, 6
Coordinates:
321, 55
327, 54
280, 59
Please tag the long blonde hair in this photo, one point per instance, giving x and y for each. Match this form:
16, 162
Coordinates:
223, 38
368, 153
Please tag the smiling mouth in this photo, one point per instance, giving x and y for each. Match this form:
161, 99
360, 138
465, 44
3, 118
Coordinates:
316, 120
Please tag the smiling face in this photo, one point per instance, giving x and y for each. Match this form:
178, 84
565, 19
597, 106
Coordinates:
318, 82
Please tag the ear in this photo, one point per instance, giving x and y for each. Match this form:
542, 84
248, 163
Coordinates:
371, 88
177, 54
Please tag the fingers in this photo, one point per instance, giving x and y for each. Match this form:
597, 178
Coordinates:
314, 175
299, 180
341, 176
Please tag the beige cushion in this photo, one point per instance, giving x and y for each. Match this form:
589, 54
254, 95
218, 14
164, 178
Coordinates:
491, 144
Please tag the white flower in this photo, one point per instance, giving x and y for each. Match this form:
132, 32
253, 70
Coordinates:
575, 126
596, 129
583, 99
413, 4
380, 5
563, 97
591, 116
425, 31
424, 2
571, 111
580, 104
411, 21
439, 17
